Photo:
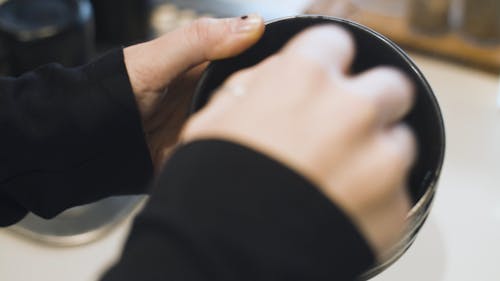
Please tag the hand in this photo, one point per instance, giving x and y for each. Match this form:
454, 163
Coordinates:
162, 63
342, 132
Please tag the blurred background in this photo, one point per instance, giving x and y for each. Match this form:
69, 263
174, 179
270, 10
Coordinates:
462, 30
455, 42
73, 31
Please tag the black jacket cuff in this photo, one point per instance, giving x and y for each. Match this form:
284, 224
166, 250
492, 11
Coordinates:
242, 216
76, 137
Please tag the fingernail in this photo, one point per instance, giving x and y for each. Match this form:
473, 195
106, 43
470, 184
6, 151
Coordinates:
248, 24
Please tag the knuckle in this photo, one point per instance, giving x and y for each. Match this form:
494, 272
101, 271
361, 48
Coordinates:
299, 55
405, 137
341, 39
401, 149
199, 30
400, 80
409, 142
342, 34
365, 110
391, 71
315, 70
332, 36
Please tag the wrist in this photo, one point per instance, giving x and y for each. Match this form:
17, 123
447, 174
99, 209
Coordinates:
144, 91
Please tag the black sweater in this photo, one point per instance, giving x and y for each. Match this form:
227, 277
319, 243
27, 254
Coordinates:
219, 211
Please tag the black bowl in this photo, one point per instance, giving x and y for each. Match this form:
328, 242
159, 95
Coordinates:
373, 50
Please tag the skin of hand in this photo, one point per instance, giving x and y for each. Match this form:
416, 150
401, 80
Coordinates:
342, 132
163, 72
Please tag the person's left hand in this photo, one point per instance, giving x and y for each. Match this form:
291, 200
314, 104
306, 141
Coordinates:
163, 72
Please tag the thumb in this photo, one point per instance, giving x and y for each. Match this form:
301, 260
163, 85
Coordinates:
153, 65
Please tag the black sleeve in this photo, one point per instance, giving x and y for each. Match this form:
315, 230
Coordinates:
223, 212
69, 137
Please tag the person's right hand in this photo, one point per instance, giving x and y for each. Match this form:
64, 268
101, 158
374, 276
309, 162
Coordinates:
342, 132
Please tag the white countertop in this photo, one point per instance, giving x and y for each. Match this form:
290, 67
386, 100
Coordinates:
460, 241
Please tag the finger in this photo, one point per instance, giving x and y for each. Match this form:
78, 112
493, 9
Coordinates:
390, 89
395, 151
391, 219
384, 161
161, 60
196, 72
329, 45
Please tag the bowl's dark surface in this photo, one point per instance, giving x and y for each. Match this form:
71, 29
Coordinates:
372, 50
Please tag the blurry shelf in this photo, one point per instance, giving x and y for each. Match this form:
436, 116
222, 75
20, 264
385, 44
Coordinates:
451, 45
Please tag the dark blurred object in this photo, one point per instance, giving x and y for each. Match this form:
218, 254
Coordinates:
430, 16
4, 66
481, 20
122, 22
37, 32
34, 33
